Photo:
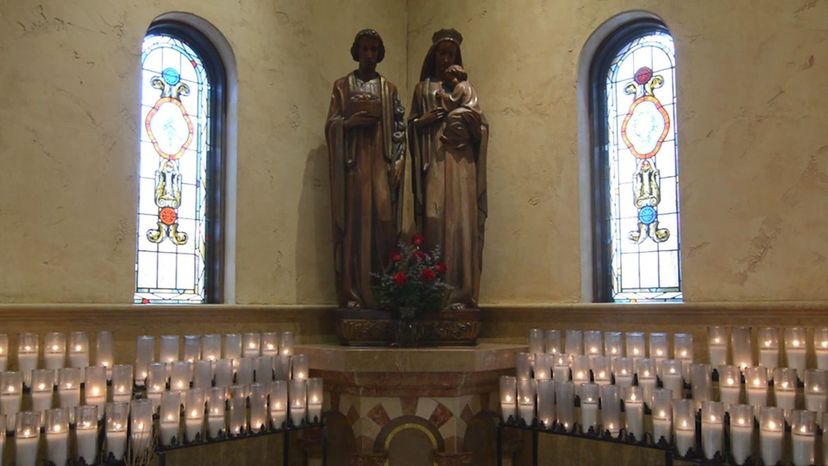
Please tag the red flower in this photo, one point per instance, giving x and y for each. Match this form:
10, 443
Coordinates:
417, 240
395, 255
428, 275
400, 279
420, 255
145, 301
440, 267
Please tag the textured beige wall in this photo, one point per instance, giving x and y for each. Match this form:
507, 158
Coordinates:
753, 149
68, 120
752, 116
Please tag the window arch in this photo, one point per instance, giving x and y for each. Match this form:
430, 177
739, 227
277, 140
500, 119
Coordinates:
180, 201
636, 238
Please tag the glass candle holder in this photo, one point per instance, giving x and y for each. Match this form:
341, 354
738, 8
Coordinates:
508, 398
4, 352
279, 403
717, 345
180, 375
610, 410
684, 421
523, 365
54, 350
634, 411
622, 370
613, 344
144, 354
803, 437
69, 387
795, 348
140, 431
117, 415
26, 437
535, 341
646, 372
635, 345
281, 367
560, 367
11, 395
86, 433
170, 418
270, 344
730, 385
223, 370
526, 393
122, 382
771, 434
57, 435
244, 372
194, 415
590, 395
202, 374
552, 341
768, 339
232, 346
78, 350
784, 387
27, 350
593, 343
315, 394
574, 343
712, 428
168, 351
662, 415
683, 351
659, 346
258, 407
671, 377
546, 403
740, 342
287, 344
43, 388
300, 366
251, 343
700, 383
94, 387
156, 382
580, 369
298, 400
756, 385
192, 348
543, 365
741, 432
216, 411
238, 410
211, 347
600, 367
104, 351
565, 405
821, 347
816, 390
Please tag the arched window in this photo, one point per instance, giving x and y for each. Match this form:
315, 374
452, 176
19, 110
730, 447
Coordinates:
179, 257
635, 166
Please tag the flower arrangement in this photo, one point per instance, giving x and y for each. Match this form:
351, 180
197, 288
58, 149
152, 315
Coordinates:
414, 280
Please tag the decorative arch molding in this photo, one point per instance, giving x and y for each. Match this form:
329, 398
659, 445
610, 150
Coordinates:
402, 423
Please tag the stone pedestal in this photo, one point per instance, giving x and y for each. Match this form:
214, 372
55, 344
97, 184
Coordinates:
412, 406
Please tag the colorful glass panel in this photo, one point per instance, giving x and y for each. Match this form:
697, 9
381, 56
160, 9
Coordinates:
175, 129
643, 171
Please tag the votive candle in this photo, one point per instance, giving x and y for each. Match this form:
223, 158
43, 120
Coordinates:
730, 385
717, 345
216, 410
69, 385
523, 365
712, 428
223, 370
258, 405
117, 415
26, 438
546, 403
590, 395
634, 412
803, 433
300, 366
192, 348
11, 396
771, 433
270, 344
610, 410
821, 347
740, 341
104, 351
684, 420
86, 433
170, 417
27, 349
144, 354
54, 350
741, 432
795, 348
168, 350
287, 343
298, 400
203, 374
552, 341
535, 341
251, 344
565, 404
43, 388
57, 435
141, 426
662, 415
211, 347
671, 377
635, 345
683, 350
784, 387
232, 346
593, 343
279, 399
508, 398
768, 347
574, 343
613, 344
526, 400
122, 382
79, 350
194, 414
238, 412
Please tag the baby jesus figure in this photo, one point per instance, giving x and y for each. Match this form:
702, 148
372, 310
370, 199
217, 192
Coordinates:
463, 106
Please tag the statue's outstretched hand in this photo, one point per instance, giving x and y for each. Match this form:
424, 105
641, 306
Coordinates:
430, 117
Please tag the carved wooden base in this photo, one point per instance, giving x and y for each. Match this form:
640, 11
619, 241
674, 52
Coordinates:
368, 327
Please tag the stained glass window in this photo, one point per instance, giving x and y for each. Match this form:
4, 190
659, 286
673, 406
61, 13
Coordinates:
175, 175
637, 90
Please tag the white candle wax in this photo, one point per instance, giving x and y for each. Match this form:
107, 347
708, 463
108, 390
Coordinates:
560, 373
623, 380
729, 394
122, 397
193, 427
155, 398
741, 440
215, 424
78, 359
99, 401
41, 400
526, 412
661, 428
634, 415
685, 439
87, 444
116, 443
758, 397
10, 404
26, 450
26, 363
822, 359
647, 386
718, 355
3, 362
57, 447
769, 357
673, 383
169, 430
69, 398
297, 413
771, 445
53, 360
277, 418
796, 359
803, 449
711, 433
506, 410
589, 416
314, 412
785, 399
815, 401
140, 437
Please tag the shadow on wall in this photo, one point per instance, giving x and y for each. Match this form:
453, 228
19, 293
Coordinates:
314, 253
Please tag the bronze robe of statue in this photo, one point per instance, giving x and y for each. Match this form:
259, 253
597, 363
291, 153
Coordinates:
366, 165
449, 178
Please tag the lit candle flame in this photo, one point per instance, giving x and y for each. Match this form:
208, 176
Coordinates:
771, 425
741, 421
730, 381
716, 340
824, 344
659, 352
768, 343
683, 353
672, 370
55, 348
757, 382
78, 348
795, 343
56, 428
635, 351
803, 429
508, 398
41, 386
